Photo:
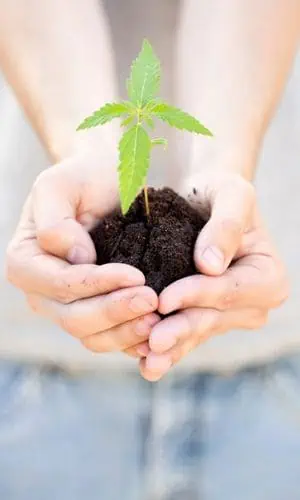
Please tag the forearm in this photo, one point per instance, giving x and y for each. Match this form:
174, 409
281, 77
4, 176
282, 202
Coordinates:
233, 61
58, 59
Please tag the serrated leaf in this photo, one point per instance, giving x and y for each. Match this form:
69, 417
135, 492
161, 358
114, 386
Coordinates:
105, 114
151, 104
144, 81
134, 154
127, 121
159, 141
149, 121
179, 119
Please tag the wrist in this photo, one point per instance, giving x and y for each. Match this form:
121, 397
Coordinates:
211, 156
101, 142
238, 156
200, 188
94, 163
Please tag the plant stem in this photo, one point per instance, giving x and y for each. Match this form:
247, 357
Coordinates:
147, 207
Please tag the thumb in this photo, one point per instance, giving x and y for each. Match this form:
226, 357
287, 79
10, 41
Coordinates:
58, 230
231, 209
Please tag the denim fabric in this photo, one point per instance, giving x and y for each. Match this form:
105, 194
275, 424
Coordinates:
190, 437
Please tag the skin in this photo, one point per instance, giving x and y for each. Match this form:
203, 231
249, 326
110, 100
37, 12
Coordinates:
51, 256
53, 42
84, 299
223, 298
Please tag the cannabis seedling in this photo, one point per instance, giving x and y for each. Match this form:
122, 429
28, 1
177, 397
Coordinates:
137, 113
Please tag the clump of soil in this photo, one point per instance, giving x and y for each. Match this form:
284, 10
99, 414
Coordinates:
161, 247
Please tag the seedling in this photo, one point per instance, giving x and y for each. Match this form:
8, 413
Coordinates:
138, 113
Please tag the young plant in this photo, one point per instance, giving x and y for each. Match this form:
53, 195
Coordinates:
139, 112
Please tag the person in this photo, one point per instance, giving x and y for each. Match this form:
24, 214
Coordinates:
73, 423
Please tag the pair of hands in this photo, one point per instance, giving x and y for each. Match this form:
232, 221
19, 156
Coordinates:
108, 308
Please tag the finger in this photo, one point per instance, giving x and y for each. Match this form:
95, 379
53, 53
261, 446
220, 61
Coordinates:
122, 337
253, 281
157, 364
56, 200
192, 322
217, 244
138, 351
153, 367
35, 272
88, 316
249, 319
201, 324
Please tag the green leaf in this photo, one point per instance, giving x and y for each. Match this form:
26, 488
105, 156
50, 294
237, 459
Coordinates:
134, 154
152, 104
105, 114
149, 121
127, 121
179, 119
160, 141
144, 81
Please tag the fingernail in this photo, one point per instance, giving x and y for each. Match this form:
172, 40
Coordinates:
213, 257
139, 304
78, 255
143, 350
145, 325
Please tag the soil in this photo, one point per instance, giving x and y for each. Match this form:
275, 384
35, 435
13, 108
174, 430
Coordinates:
161, 247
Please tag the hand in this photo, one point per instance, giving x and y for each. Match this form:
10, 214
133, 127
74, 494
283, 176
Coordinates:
51, 259
243, 277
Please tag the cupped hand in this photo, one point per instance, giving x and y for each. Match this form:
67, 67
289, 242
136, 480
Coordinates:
51, 258
242, 276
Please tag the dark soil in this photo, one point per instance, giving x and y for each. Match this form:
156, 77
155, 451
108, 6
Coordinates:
162, 248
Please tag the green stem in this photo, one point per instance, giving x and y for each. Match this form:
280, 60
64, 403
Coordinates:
147, 207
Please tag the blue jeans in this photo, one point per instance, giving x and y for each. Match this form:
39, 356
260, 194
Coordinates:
108, 437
